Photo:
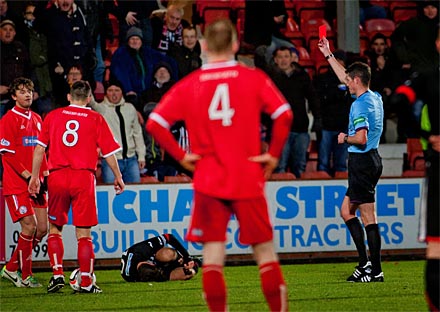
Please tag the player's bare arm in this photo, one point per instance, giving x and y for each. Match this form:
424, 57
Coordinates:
189, 161
268, 161
339, 70
118, 183
34, 183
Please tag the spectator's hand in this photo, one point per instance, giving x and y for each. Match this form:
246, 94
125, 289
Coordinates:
324, 46
278, 19
268, 161
387, 91
189, 161
4, 89
406, 66
141, 164
59, 69
131, 19
140, 118
435, 142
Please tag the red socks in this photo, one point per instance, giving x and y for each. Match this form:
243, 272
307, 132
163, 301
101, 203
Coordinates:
214, 287
273, 286
55, 250
22, 256
86, 258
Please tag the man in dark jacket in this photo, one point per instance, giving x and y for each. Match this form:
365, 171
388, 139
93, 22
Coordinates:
133, 64
69, 43
296, 86
335, 104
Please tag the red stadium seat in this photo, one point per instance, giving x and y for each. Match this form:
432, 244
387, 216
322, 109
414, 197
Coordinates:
303, 53
341, 175
315, 175
382, 25
293, 33
413, 158
282, 176
177, 179
402, 10
309, 9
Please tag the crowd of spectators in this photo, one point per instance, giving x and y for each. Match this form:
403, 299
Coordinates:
57, 42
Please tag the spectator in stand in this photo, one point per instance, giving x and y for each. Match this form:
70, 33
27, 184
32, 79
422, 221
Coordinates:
7, 14
296, 86
37, 46
168, 30
15, 62
385, 74
413, 41
136, 13
188, 55
69, 43
367, 11
335, 104
160, 163
100, 29
122, 118
263, 23
132, 64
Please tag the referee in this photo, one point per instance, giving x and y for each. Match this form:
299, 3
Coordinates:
364, 164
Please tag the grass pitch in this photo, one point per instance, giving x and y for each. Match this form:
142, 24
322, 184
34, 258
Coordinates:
311, 287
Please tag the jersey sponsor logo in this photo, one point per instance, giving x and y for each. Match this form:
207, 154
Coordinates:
219, 75
22, 127
29, 141
22, 209
5, 142
197, 232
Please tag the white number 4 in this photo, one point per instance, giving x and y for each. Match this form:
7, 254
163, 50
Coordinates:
220, 109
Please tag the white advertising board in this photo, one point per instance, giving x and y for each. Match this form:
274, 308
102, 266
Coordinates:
305, 216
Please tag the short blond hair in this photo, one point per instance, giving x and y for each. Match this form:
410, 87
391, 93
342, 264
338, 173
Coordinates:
220, 35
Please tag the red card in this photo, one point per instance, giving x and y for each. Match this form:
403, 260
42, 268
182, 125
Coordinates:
322, 31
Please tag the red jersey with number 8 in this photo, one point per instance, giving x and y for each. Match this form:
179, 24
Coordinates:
74, 135
221, 105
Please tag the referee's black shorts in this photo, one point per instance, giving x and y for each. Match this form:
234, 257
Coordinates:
364, 171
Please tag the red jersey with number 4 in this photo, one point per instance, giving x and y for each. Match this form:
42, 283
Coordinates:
74, 135
19, 129
221, 105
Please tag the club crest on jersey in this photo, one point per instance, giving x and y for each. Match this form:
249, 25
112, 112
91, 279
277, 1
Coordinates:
22, 209
5, 142
29, 140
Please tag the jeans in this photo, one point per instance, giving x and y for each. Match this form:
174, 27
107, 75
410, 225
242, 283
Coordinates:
331, 151
294, 156
129, 168
99, 71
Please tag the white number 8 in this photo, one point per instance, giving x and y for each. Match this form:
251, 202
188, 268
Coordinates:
220, 108
72, 132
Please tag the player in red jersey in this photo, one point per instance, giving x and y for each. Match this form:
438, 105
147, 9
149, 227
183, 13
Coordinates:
73, 136
221, 105
19, 129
